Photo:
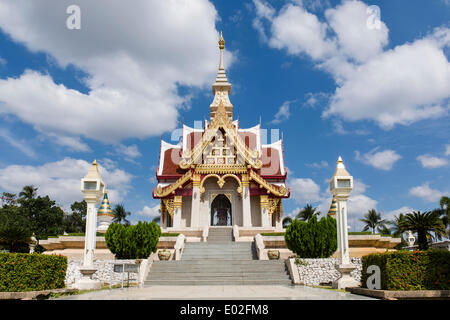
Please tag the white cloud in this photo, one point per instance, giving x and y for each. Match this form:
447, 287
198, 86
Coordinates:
304, 190
447, 150
61, 180
2, 61
130, 151
383, 160
428, 161
135, 60
20, 145
390, 215
73, 143
317, 165
426, 193
282, 114
408, 83
151, 212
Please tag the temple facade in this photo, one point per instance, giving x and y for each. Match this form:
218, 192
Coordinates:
221, 174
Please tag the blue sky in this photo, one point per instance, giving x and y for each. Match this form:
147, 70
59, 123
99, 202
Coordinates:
330, 77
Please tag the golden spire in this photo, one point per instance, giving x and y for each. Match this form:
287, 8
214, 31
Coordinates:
221, 42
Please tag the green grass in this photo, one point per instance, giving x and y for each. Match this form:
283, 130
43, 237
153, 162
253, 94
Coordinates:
273, 234
329, 288
169, 234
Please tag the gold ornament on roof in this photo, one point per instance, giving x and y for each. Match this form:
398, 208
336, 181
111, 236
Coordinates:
221, 41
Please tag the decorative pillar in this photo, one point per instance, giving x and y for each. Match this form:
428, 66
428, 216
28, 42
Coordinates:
341, 184
264, 201
177, 203
246, 208
195, 208
92, 187
32, 244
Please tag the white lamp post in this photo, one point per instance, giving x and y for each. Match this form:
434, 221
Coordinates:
341, 184
92, 187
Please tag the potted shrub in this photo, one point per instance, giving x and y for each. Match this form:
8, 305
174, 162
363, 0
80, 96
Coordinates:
164, 254
273, 254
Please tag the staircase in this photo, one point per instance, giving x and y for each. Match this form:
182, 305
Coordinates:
219, 261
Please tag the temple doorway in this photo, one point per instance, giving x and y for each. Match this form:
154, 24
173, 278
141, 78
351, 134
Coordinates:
221, 211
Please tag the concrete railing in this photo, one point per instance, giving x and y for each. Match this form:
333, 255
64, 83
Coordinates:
293, 271
179, 246
205, 234
260, 251
236, 233
144, 269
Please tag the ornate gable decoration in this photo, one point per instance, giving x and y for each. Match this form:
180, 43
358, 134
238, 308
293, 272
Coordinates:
221, 120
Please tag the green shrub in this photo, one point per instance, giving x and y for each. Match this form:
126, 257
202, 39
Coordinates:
410, 270
31, 272
168, 234
272, 234
312, 239
133, 242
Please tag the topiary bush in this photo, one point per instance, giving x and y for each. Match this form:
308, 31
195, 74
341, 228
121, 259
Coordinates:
133, 242
312, 239
410, 270
31, 272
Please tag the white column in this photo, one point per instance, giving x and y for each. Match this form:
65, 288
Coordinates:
177, 203
246, 209
344, 233
278, 223
264, 200
195, 208
90, 235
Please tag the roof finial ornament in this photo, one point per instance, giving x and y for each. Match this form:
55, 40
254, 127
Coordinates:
221, 41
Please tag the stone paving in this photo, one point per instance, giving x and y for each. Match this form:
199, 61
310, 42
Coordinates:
220, 292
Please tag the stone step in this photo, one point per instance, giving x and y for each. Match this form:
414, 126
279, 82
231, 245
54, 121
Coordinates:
223, 261
217, 282
232, 277
217, 270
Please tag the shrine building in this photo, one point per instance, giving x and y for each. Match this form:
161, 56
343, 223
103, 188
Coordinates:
221, 174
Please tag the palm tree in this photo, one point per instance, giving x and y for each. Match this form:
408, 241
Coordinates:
120, 214
307, 213
396, 225
156, 219
373, 220
28, 192
423, 223
444, 203
385, 231
286, 221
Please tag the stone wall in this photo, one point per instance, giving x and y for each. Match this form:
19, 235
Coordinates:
322, 271
103, 273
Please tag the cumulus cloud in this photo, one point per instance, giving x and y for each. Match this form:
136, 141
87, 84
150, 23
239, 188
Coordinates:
426, 193
151, 212
304, 190
402, 85
282, 114
317, 165
135, 61
383, 160
429, 161
60, 180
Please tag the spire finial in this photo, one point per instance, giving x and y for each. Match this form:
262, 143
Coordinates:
221, 41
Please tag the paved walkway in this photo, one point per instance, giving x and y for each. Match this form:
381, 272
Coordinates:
226, 292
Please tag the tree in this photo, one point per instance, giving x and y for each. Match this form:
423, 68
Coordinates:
444, 204
286, 221
76, 221
9, 199
312, 239
396, 225
423, 223
307, 213
373, 220
15, 231
120, 214
28, 192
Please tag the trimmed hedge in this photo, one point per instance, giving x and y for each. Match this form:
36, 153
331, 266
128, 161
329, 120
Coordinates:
31, 272
133, 241
410, 270
272, 234
312, 239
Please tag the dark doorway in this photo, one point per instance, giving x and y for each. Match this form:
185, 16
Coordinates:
221, 211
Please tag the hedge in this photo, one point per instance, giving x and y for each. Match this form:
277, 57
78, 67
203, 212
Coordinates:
31, 272
410, 270
133, 241
312, 239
